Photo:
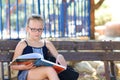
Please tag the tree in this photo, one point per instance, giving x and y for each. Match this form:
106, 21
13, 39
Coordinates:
93, 7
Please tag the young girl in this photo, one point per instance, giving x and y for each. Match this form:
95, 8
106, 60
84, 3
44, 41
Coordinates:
34, 44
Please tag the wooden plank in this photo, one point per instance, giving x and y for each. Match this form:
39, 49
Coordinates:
87, 45
6, 45
107, 70
70, 45
6, 57
91, 56
78, 56
2, 70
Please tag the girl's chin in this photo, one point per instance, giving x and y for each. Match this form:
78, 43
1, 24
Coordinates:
36, 38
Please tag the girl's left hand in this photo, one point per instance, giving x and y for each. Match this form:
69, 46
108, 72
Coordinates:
60, 60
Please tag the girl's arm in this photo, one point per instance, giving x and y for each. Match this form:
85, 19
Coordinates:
59, 58
18, 51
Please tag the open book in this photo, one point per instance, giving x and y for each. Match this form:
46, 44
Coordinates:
36, 59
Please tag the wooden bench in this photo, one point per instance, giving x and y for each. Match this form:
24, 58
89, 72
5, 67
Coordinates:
107, 51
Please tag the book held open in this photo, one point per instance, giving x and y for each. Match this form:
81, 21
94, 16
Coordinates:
36, 59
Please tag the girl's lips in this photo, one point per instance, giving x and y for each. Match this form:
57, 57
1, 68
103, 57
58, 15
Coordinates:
37, 35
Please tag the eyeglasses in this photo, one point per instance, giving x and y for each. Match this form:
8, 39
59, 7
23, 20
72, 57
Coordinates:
35, 30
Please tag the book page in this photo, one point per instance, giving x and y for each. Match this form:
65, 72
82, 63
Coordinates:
26, 58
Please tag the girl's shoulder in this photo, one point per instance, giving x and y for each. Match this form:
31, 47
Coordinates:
46, 41
22, 43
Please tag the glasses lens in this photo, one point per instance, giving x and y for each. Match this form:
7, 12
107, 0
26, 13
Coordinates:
35, 30
39, 30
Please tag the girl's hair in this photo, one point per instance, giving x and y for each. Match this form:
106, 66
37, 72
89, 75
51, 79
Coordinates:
35, 17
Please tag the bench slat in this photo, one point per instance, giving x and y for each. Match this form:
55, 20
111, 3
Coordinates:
78, 56
91, 56
87, 45
6, 45
6, 57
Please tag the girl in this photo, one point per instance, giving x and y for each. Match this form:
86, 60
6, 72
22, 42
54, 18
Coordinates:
32, 44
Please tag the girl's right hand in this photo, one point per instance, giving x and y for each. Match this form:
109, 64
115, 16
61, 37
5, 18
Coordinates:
22, 67
28, 66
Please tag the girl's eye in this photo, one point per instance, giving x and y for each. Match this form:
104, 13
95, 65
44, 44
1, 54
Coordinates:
34, 29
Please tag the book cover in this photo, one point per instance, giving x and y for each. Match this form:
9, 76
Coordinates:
43, 62
36, 59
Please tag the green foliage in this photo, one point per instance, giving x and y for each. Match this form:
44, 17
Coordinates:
102, 15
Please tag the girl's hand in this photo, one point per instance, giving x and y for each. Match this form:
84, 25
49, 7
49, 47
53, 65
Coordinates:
28, 66
60, 60
23, 67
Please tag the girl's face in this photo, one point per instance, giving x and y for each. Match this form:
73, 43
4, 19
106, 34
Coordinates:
35, 29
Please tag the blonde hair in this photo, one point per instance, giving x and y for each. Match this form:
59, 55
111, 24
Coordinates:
35, 17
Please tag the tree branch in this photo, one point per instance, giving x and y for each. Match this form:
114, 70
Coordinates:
98, 4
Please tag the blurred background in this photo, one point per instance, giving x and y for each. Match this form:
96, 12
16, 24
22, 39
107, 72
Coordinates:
74, 19
65, 20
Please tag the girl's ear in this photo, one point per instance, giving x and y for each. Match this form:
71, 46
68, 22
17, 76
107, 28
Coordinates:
26, 28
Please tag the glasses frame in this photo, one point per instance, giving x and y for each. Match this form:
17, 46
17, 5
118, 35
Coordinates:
35, 30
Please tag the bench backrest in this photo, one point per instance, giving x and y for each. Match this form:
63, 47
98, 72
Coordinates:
7, 48
89, 50
72, 50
